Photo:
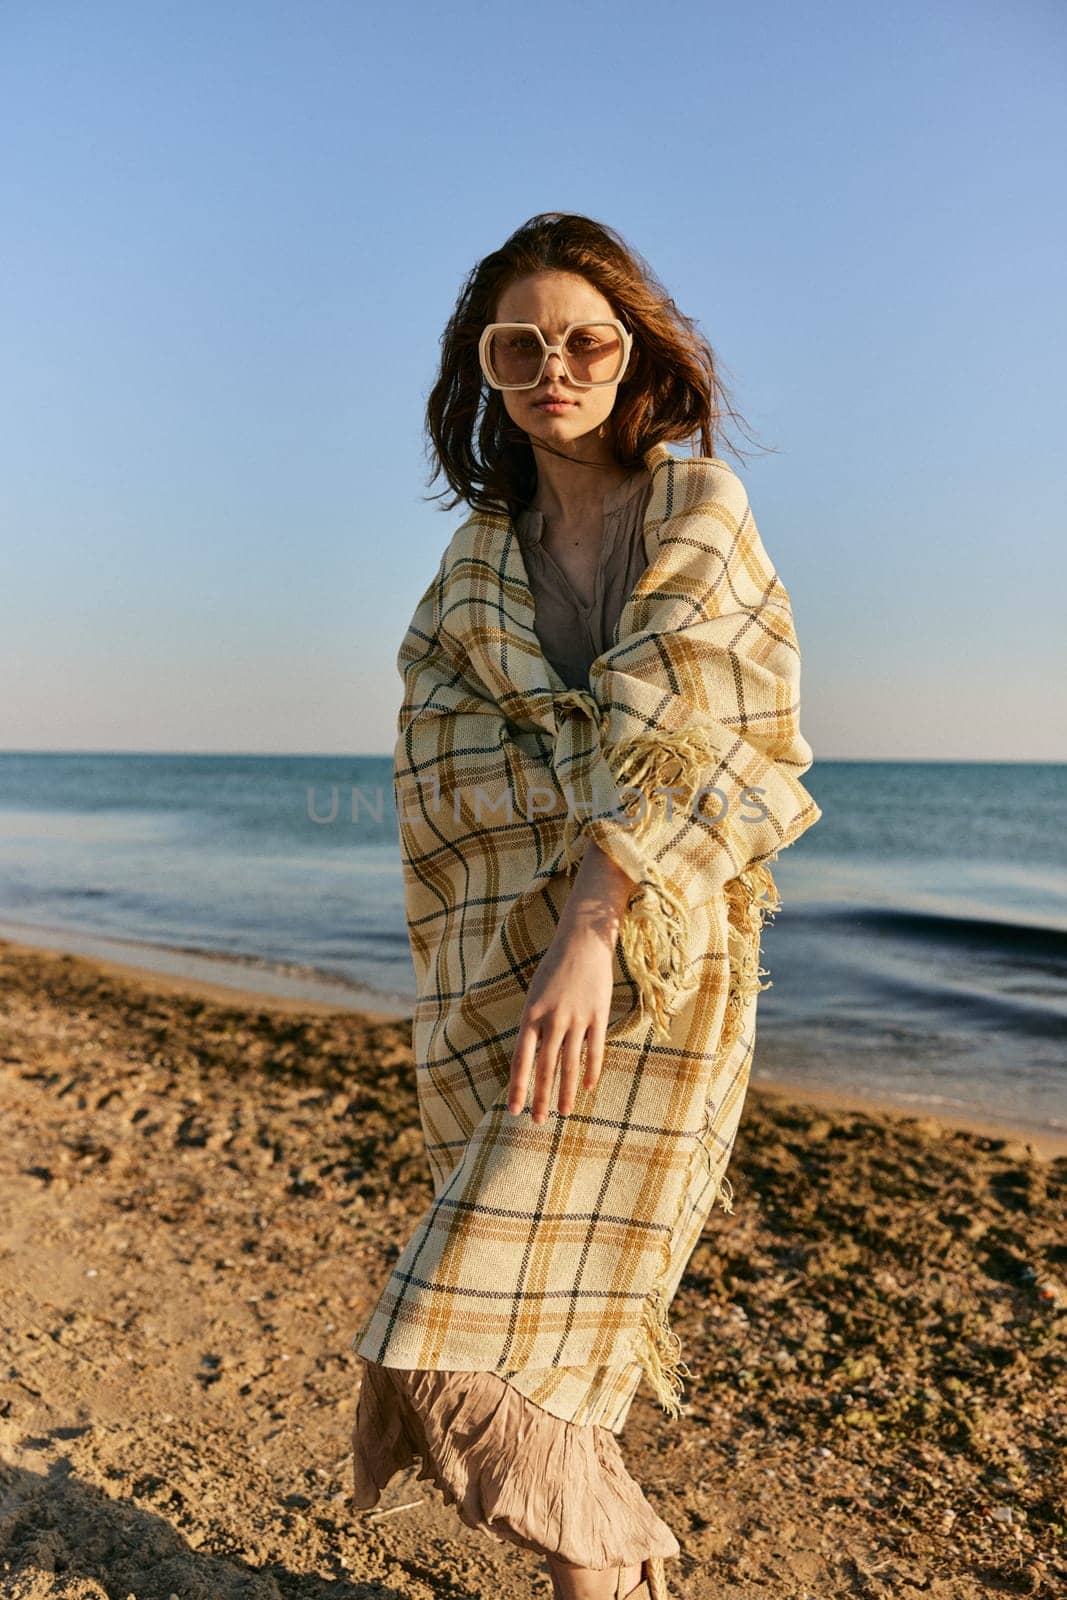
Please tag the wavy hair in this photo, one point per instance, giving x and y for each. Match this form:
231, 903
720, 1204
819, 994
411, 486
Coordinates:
672, 390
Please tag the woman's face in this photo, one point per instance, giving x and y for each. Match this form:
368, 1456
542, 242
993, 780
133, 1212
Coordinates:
552, 300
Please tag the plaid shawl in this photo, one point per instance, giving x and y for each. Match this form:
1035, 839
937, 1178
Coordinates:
550, 1254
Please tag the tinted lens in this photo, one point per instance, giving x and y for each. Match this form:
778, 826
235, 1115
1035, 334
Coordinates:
593, 354
514, 355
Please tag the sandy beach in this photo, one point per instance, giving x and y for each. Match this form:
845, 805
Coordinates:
204, 1188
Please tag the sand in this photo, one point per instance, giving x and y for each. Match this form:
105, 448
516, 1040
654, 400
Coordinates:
203, 1190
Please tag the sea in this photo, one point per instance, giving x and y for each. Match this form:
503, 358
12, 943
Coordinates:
919, 956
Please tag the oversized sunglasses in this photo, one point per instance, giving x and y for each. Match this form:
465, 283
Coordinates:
514, 354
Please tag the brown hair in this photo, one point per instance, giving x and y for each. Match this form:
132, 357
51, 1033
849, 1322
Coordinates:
672, 389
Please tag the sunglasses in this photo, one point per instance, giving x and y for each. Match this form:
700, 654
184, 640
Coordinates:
514, 355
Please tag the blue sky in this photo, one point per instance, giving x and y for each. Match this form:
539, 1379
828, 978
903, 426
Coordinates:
230, 237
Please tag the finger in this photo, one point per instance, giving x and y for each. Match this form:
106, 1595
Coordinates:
522, 1064
594, 1061
570, 1070
547, 1058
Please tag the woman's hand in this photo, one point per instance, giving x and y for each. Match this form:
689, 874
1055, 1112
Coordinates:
568, 1002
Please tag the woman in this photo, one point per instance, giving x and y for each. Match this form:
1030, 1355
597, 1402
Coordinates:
598, 752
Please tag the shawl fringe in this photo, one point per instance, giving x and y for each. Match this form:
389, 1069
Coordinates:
659, 1352
653, 936
654, 933
645, 762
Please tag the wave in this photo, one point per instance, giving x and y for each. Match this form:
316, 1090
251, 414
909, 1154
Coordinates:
1035, 943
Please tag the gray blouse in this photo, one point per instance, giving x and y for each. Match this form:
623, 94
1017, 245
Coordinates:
571, 633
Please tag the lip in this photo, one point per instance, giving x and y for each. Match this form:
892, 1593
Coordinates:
556, 401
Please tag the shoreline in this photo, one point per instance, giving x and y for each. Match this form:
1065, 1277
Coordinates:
205, 974
1046, 1143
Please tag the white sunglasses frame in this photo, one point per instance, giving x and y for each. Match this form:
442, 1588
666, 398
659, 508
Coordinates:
554, 350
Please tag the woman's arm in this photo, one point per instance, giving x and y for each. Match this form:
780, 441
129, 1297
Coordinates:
568, 1001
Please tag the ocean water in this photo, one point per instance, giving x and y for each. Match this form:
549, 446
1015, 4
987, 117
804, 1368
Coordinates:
920, 954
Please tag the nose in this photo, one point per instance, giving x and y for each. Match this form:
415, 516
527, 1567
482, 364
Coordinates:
557, 371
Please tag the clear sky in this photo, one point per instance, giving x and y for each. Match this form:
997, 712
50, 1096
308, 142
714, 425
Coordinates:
231, 235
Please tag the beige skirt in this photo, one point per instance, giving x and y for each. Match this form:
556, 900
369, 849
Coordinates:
511, 1469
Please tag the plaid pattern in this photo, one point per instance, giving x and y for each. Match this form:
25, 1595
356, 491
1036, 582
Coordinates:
550, 1254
